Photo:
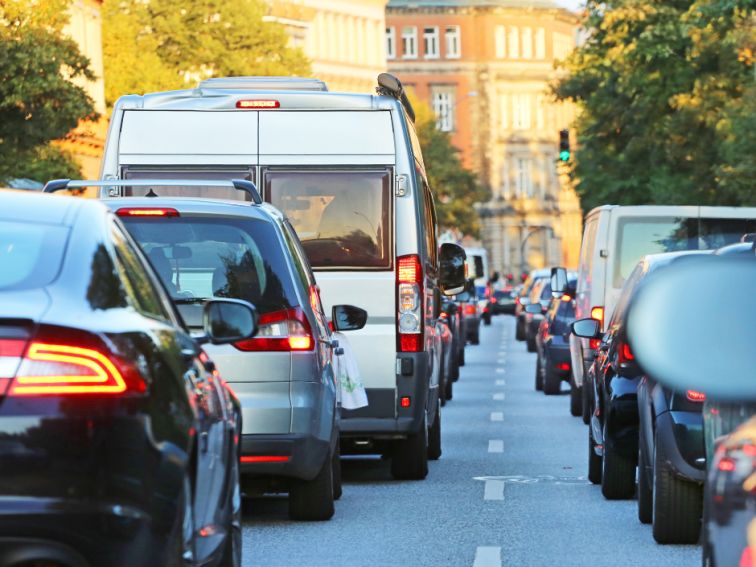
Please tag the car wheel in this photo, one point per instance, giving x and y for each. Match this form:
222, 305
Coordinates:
531, 345
487, 320
539, 375
336, 470
312, 500
454, 375
434, 437
462, 356
442, 383
183, 550
519, 331
552, 382
677, 504
645, 493
448, 389
409, 459
475, 339
576, 398
586, 404
707, 552
594, 461
617, 474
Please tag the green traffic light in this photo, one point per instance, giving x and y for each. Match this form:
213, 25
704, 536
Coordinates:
564, 156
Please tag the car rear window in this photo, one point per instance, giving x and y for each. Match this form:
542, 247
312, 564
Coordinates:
342, 218
30, 254
203, 258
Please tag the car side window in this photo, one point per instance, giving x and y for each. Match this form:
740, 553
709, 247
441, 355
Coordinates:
627, 294
139, 286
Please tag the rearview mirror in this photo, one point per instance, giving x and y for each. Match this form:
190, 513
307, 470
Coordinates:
229, 321
558, 281
348, 318
452, 269
688, 342
534, 308
587, 329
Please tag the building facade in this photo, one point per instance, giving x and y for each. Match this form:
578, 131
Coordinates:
485, 66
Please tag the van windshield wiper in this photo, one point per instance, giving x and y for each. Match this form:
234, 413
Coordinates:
189, 300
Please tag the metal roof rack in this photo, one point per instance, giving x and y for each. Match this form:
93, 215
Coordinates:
240, 184
265, 84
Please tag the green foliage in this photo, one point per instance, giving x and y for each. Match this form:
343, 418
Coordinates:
666, 91
455, 188
46, 162
38, 102
172, 44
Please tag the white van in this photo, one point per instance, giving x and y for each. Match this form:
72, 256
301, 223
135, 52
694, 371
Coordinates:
616, 238
478, 258
348, 173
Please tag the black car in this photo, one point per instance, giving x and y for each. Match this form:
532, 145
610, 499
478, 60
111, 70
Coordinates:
541, 294
553, 363
502, 302
451, 318
118, 440
523, 298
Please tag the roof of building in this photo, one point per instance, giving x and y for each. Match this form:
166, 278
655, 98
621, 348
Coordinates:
543, 4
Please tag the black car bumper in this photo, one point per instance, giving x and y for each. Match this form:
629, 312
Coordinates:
558, 355
294, 455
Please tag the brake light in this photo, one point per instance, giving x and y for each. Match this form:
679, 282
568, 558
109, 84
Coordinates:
147, 212
258, 104
597, 313
409, 275
749, 450
726, 465
283, 331
563, 366
264, 459
406, 402
469, 309
485, 309
65, 369
443, 314
517, 300
625, 355
566, 297
488, 291
694, 396
494, 300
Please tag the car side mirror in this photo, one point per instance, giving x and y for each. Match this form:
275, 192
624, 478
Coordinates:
452, 269
524, 301
348, 318
534, 308
587, 329
229, 321
558, 282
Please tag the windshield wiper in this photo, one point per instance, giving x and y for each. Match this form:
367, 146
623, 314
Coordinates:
189, 300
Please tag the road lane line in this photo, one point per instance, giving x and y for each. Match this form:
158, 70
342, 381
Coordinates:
494, 490
496, 446
501, 383
487, 557
500, 370
500, 361
497, 416
498, 396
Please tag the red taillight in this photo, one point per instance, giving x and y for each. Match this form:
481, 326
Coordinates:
625, 355
598, 313
443, 314
563, 366
488, 291
485, 310
749, 450
566, 297
147, 212
469, 309
406, 402
284, 331
264, 459
517, 300
411, 343
409, 270
594, 344
494, 300
694, 396
726, 465
409, 323
258, 104
66, 369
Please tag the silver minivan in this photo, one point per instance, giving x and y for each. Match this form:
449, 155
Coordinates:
348, 174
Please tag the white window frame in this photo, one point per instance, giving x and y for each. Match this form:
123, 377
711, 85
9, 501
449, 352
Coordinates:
540, 43
390, 42
521, 111
430, 40
453, 42
443, 105
513, 37
409, 39
524, 177
503, 112
500, 42
527, 43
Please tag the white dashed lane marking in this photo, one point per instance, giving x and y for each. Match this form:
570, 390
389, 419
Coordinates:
498, 396
487, 557
496, 446
500, 371
501, 383
494, 490
497, 416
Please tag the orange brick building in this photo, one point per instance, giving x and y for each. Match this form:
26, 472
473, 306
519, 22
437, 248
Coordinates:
484, 66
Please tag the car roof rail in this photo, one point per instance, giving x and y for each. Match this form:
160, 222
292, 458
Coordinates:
240, 184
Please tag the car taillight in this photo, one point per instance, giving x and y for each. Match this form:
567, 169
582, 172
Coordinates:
694, 396
409, 276
563, 366
488, 291
625, 355
283, 331
258, 104
147, 212
66, 369
726, 465
517, 300
597, 313
566, 297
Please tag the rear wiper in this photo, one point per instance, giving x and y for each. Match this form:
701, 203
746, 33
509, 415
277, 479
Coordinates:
189, 300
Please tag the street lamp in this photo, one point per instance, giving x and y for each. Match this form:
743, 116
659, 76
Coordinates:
525, 240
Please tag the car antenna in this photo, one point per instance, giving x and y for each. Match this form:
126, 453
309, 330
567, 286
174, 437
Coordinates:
151, 193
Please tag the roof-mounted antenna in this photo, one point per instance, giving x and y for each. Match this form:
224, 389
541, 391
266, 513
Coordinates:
151, 193
388, 85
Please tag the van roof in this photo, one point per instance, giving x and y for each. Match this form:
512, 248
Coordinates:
265, 83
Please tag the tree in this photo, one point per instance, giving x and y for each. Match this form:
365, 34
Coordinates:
455, 188
38, 101
173, 44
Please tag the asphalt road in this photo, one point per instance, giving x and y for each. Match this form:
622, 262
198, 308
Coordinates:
509, 490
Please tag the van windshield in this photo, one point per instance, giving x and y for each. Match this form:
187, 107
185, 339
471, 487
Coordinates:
341, 217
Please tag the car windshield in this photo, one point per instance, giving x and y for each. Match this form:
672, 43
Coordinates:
30, 254
202, 258
341, 217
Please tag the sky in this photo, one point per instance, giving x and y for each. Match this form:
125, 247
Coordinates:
572, 5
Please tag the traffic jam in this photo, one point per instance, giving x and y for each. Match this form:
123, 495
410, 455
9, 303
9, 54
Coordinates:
210, 361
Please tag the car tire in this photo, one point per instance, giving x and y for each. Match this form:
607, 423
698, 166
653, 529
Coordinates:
645, 492
519, 331
617, 474
532, 347
434, 437
409, 459
586, 403
448, 390
594, 461
454, 375
475, 339
338, 489
312, 500
576, 398
552, 382
487, 320
539, 376
442, 383
677, 504
461, 357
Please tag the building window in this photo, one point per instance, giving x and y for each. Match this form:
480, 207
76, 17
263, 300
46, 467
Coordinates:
442, 102
523, 179
430, 35
562, 45
500, 38
540, 43
521, 112
409, 42
390, 43
514, 44
527, 43
453, 40
503, 114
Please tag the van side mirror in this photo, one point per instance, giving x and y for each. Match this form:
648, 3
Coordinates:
228, 321
587, 329
451, 278
534, 308
558, 282
348, 318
